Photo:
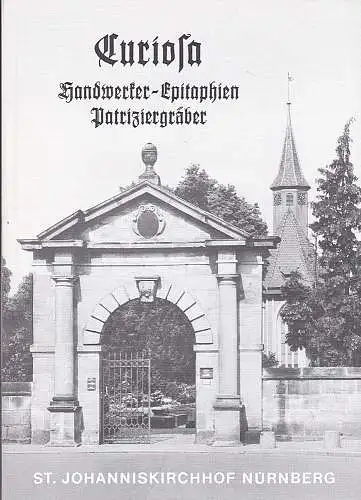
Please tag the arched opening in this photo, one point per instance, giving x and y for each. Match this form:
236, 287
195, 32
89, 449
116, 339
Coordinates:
148, 371
286, 357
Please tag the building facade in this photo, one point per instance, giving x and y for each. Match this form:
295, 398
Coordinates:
141, 244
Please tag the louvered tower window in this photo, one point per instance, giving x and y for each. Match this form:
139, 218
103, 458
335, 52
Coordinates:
289, 199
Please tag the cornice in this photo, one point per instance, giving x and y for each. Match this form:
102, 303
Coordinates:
260, 244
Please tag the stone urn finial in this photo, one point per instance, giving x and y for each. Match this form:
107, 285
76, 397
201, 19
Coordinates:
149, 154
149, 157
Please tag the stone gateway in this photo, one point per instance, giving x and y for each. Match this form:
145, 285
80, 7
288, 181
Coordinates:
142, 244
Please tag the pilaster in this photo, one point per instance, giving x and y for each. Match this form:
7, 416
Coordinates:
251, 343
227, 405
65, 417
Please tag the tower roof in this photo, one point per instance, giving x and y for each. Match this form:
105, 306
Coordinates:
290, 173
294, 252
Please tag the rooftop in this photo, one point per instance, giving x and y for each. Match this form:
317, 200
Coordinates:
289, 173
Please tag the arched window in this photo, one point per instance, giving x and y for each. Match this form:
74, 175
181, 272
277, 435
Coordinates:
286, 357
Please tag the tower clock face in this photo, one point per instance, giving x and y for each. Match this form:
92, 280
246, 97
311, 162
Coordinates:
277, 198
301, 198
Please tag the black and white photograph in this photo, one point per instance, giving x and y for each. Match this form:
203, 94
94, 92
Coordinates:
181, 249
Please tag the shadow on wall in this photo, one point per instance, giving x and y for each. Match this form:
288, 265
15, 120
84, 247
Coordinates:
281, 426
243, 424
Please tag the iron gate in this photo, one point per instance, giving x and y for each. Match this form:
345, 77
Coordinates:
126, 397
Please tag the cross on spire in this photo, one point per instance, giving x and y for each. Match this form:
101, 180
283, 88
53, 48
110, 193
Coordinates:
289, 79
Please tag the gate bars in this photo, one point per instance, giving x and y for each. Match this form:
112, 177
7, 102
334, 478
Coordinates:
126, 397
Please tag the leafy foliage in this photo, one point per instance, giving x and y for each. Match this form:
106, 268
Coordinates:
181, 392
221, 200
17, 333
5, 282
162, 329
269, 360
326, 320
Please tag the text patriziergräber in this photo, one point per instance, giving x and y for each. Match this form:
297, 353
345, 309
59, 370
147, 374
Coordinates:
176, 98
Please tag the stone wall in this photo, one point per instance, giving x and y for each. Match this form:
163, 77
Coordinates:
301, 403
16, 412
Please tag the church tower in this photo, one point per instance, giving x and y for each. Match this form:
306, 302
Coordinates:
294, 252
290, 188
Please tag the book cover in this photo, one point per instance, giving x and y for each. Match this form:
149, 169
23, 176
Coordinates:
160, 166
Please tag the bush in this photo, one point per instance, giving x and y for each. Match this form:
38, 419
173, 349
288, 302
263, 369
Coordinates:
157, 398
181, 392
269, 360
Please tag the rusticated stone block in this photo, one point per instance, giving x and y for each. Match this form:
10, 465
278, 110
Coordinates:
40, 436
18, 433
308, 403
267, 440
332, 439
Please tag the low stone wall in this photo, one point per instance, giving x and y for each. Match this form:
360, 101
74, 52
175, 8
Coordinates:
16, 412
301, 403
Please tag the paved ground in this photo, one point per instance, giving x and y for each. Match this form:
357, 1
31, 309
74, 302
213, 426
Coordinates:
216, 473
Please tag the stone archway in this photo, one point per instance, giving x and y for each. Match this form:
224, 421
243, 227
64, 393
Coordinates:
148, 380
129, 291
90, 357
104, 248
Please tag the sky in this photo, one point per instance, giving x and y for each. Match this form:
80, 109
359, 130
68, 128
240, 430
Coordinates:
55, 161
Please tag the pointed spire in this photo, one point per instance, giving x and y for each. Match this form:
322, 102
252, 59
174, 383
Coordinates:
290, 173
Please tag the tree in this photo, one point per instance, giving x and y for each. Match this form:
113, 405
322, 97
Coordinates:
17, 327
326, 320
221, 200
5, 282
269, 360
5, 289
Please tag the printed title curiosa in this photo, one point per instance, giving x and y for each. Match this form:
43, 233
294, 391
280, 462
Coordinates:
111, 51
